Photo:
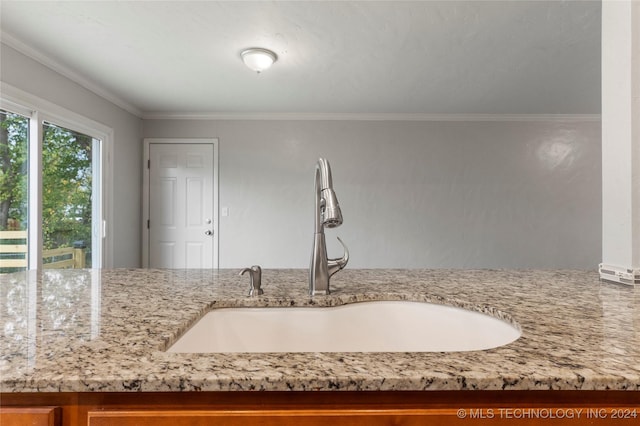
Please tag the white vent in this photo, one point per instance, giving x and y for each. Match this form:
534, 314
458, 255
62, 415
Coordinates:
619, 275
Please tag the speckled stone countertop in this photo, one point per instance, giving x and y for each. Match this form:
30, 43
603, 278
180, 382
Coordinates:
107, 331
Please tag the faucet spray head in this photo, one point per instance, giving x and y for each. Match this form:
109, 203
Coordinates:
331, 213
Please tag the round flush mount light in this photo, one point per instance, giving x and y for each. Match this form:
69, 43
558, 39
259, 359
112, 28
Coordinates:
258, 59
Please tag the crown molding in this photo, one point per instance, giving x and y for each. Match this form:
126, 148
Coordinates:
372, 117
67, 72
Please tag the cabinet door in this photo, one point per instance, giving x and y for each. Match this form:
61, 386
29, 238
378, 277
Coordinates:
268, 417
372, 417
30, 416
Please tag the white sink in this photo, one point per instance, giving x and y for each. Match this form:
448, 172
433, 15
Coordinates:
382, 326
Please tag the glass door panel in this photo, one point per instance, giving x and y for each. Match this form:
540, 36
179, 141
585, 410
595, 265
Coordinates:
68, 219
14, 191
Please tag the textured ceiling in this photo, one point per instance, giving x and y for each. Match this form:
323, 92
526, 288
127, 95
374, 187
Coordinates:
416, 57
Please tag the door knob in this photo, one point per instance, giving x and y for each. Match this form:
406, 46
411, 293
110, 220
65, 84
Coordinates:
208, 232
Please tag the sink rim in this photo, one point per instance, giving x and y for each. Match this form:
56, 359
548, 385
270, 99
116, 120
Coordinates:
336, 300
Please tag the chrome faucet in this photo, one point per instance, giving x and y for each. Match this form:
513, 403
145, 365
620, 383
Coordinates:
327, 214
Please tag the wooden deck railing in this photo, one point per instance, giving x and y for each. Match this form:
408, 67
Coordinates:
14, 254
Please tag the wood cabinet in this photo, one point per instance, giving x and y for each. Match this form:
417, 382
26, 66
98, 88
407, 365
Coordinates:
339, 408
264, 417
30, 416
417, 417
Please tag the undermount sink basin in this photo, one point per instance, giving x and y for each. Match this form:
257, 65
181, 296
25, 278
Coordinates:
381, 326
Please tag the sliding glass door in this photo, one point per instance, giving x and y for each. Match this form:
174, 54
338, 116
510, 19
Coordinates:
63, 194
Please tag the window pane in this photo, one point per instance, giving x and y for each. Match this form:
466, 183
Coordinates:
67, 190
14, 143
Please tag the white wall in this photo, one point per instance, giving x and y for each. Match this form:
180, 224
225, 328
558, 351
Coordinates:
621, 134
30, 76
413, 194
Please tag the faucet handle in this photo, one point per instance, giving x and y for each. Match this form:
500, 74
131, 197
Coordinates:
335, 265
255, 275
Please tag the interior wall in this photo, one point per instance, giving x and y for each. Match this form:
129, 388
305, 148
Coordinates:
484, 194
30, 76
449, 194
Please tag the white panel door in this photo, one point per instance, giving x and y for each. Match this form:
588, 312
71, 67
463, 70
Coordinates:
181, 205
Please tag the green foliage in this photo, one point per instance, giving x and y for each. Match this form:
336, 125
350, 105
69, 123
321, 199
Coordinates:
66, 181
66, 187
14, 130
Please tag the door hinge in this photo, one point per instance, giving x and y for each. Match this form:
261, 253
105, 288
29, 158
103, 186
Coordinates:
148, 224
148, 164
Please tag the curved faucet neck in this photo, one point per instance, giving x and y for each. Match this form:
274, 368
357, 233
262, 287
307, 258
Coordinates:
322, 167
323, 183
320, 178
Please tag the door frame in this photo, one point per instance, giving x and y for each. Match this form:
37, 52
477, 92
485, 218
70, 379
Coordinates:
146, 191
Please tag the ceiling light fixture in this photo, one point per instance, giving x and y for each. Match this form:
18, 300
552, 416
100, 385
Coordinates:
258, 59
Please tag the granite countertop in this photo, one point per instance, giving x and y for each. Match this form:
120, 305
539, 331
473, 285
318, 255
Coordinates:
107, 331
